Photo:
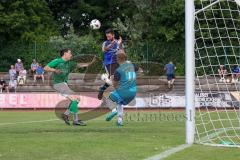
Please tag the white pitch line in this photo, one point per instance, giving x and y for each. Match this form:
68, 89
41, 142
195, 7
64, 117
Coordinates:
169, 152
28, 122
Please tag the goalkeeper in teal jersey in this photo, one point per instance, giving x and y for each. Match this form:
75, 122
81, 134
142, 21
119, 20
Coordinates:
61, 67
124, 82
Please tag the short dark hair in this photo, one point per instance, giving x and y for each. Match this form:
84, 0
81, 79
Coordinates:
110, 30
62, 51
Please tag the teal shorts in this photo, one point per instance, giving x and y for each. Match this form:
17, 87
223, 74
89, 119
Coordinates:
121, 98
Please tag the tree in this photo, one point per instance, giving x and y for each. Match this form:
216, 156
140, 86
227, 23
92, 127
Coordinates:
153, 30
156, 30
22, 23
28, 20
79, 13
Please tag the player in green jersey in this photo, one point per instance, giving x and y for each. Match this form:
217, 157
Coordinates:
61, 67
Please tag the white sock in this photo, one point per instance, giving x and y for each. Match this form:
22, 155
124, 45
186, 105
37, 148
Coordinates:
120, 120
67, 112
120, 113
75, 117
169, 83
114, 110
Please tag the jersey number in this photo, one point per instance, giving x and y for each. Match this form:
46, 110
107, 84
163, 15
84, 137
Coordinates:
131, 76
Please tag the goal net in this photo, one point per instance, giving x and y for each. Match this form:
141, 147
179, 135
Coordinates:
217, 58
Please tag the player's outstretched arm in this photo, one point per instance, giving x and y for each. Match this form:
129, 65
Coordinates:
120, 42
81, 65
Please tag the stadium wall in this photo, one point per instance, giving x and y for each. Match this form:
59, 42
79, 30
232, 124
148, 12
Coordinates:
89, 100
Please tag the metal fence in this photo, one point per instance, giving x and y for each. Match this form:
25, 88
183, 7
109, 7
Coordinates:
150, 55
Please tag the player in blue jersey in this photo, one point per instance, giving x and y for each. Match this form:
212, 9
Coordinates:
109, 48
124, 82
170, 69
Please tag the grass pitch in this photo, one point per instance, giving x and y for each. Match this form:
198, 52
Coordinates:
39, 135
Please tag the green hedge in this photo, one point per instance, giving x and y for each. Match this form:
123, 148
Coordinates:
151, 56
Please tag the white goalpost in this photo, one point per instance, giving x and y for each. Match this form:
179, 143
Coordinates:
212, 65
189, 65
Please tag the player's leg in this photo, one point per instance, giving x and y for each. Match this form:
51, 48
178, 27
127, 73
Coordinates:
126, 98
238, 75
169, 80
173, 79
113, 97
7, 89
110, 70
42, 78
1, 88
119, 114
18, 79
34, 78
109, 104
65, 91
233, 78
105, 85
73, 108
24, 79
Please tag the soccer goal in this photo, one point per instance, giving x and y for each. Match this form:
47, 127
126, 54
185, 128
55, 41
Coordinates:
212, 90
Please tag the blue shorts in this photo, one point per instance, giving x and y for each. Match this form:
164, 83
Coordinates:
123, 99
170, 77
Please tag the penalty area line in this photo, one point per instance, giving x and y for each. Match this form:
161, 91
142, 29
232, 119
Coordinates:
169, 152
28, 122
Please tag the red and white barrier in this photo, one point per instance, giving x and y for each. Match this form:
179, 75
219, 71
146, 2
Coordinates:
44, 100
89, 100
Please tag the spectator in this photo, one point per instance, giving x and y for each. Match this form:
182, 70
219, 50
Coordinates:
12, 84
170, 69
3, 86
12, 72
34, 66
18, 66
22, 76
235, 73
222, 73
39, 73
